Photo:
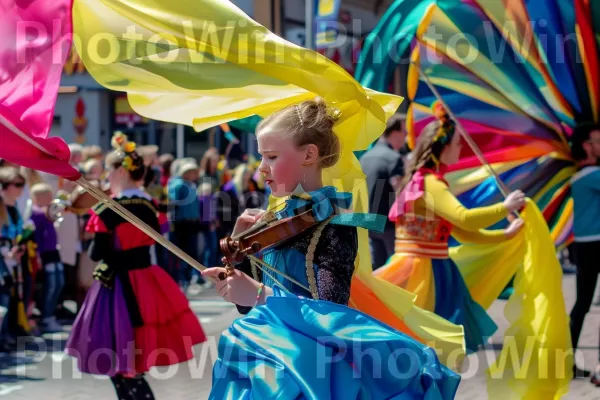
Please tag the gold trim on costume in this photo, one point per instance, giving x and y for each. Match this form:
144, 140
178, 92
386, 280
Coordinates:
101, 207
310, 256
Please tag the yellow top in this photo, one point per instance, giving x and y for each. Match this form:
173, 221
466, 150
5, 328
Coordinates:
467, 224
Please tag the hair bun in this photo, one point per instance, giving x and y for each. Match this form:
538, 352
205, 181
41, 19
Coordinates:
332, 113
131, 159
440, 112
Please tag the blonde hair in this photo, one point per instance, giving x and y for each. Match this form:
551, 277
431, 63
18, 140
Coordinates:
92, 151
310, 122
9, 174
89, 165
31, 176
40, 188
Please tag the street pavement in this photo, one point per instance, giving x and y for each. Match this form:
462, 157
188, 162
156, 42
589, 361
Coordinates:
48, 374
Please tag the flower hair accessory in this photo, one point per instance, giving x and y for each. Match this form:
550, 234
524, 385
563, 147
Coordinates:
121, 144
334, 113
447, 126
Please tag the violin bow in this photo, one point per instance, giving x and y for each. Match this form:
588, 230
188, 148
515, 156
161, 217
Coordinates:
128, 216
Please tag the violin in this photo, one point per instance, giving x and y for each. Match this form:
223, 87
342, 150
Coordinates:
264, 235
79, 202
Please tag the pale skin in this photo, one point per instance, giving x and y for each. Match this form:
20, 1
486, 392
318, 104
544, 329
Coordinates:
284, 166
120, 180
513, 202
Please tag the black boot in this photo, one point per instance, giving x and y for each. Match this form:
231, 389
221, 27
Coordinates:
120, 387
139, 389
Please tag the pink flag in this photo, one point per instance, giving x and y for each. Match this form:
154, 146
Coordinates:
36, 38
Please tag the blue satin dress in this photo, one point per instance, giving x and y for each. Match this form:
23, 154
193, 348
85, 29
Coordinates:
295, 347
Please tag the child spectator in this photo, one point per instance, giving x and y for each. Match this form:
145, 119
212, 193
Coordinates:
11, 225
52, 267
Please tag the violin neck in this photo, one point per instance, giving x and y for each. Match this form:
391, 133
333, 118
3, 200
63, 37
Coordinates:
254, 228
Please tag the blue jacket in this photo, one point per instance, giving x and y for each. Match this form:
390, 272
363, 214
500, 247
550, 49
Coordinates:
183, 200
586, 196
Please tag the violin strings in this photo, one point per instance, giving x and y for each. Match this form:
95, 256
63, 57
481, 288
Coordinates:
248, 231
265, 265
275, 281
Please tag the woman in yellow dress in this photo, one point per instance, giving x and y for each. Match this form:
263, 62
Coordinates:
426, 213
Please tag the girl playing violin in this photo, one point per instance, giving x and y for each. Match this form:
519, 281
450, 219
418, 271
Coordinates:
292, 160
296, 144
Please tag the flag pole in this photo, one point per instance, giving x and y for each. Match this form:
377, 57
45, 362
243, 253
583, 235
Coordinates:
465, 135
501, 185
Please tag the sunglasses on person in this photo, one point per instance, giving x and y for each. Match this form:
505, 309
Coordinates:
18, 185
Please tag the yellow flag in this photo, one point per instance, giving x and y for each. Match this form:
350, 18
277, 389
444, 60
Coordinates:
535, 362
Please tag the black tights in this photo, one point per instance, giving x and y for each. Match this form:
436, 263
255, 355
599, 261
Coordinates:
586, 256
132, 388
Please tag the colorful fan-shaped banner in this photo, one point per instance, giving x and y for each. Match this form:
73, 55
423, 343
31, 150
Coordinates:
518, 75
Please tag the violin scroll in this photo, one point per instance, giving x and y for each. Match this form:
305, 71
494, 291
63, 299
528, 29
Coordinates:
233, 252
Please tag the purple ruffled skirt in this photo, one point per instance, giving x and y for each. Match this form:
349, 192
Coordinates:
103, 339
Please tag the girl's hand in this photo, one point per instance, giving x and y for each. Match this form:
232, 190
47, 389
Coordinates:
514, 228
238, 288
514, 201
245, 221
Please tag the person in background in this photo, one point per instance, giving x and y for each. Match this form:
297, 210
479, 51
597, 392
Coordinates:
384, 168
11, 226
5, 163
184, 211
585, 188
31, 178
209, 169
165, 161
92, 169
207, 239
92, 151
76, 161
227, 201
47, 246
76, 154
69, 234
152, 178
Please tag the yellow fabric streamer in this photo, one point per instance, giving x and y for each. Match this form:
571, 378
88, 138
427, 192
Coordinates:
535, 362
203, 63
